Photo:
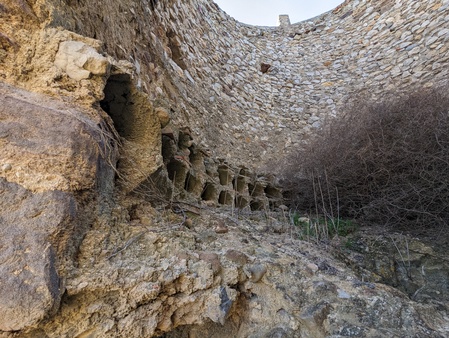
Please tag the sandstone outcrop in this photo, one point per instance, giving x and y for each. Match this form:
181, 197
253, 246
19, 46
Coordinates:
132, 202
35, 228
50, 152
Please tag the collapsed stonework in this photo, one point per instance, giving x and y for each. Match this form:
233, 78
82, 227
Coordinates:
132, 200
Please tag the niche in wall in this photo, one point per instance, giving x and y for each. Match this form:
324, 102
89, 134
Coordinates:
118, 103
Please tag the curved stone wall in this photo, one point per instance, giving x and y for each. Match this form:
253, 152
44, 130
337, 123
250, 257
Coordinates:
204, 67
368, 46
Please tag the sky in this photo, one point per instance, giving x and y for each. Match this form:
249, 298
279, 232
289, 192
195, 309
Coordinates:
266, 12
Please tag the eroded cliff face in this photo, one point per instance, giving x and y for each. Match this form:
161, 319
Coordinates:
111, 170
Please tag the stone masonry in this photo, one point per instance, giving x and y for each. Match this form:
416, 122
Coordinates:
251, 94
362, 47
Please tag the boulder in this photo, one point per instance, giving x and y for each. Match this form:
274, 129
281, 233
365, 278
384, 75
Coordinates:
79, 60
35, 229
48, 145
49, 152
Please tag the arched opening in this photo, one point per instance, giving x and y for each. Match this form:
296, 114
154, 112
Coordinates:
139, 128
209, 193
118, 103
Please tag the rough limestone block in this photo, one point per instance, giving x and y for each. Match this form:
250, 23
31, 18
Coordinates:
47, 152
33, 228
79, 60
163, 116
219, 304
47, 146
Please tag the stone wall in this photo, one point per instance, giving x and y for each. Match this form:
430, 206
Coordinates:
205, 68
198, 177
361, 46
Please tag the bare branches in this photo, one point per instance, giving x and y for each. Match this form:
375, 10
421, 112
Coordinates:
388, 161
127, 244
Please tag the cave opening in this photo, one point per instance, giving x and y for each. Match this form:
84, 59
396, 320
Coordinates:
257, 205
256, 189
193, 184
177, 173
273, 192
118, 103
241, 202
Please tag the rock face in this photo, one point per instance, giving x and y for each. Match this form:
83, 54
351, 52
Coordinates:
131, 201
415, 267
165, 279
35, 232
59, 150
49, 151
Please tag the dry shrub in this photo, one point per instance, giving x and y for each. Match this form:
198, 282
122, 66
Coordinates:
382, 162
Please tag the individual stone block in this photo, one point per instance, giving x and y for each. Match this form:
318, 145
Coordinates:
163, 115
79, 60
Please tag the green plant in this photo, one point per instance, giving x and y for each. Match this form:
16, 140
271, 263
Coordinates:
346, 227
296, 218
321, 228
350, 244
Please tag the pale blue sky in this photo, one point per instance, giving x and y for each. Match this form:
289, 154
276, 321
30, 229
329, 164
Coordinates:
266, 12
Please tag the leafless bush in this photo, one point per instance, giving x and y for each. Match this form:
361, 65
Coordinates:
382, 162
